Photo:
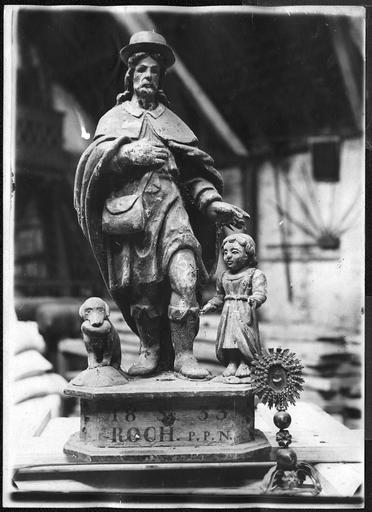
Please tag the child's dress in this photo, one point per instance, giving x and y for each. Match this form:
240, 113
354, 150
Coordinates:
237, 328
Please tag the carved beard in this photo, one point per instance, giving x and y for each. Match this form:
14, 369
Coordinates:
147, 97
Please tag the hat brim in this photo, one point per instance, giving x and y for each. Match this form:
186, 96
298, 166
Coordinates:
164, 50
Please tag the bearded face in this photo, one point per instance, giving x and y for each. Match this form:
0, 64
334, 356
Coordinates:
146, 78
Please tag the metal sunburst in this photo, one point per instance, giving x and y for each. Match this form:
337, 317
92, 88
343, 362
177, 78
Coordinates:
277, 377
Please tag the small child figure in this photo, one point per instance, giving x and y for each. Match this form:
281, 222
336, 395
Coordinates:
240, 290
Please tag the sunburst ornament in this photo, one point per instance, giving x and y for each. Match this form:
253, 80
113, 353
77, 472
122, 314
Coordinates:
277, 377
277, 380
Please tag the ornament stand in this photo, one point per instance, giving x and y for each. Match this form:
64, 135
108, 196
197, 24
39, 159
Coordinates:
289, 476
278, 380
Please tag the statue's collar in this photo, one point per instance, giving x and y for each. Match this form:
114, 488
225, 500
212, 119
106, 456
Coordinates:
137, 111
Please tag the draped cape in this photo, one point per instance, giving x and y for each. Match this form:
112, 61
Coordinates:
92, 182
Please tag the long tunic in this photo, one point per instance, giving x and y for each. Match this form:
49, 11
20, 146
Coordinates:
237, 327
167, 225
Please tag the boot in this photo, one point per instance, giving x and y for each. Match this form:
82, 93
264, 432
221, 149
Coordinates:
148, 325
184, 324
243, 370
230, 370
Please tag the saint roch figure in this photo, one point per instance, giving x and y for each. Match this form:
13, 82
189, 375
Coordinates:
148, 200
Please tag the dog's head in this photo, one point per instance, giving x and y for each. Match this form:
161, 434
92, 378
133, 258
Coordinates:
95, 311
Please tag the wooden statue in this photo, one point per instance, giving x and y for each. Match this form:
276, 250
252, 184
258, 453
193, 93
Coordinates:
101, 339
103, 346
240, 290
148, 200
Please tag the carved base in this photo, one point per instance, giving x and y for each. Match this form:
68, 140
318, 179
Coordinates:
166, 419
254, 451
101, 376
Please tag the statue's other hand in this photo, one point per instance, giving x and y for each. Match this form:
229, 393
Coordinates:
143, 153
227, 214
207, 308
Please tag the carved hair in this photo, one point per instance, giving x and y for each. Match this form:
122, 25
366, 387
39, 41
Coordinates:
245, 241
128, 80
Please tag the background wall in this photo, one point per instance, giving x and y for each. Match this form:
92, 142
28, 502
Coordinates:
326, 284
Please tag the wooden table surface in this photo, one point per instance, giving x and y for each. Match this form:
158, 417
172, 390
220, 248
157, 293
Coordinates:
40, 466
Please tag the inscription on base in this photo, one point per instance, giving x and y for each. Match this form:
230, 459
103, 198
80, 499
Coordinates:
168, 435
147, 424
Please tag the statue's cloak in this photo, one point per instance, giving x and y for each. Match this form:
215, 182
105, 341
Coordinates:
122, 125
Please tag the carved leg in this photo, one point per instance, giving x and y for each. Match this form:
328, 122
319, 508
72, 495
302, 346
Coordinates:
184, 325
183, 313
116, 350
148, 325
92, 360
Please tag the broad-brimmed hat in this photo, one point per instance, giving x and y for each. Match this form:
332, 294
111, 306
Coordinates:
148, 41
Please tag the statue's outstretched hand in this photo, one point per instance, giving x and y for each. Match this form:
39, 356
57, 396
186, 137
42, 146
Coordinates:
143, 153
227, 214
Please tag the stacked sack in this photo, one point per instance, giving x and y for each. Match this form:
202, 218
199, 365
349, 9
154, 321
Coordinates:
35, 390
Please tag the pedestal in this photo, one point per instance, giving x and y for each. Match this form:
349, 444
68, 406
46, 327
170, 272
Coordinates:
167, 419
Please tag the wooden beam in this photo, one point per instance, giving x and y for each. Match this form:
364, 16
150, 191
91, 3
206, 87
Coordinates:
141, 21
357, 30
340, 39
249, 173
283, 232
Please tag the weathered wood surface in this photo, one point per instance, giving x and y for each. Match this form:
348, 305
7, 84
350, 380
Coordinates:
32, 416
254, 451
222, 483
164, 419
346, 480
43, 467
317, 437
166, 385
147, 423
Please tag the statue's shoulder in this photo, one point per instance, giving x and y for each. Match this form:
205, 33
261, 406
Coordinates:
224, 276
258, 276
257, 272
170, 127
115, 113
116, 121
125, 119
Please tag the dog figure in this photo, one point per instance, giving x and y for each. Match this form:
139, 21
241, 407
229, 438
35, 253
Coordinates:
100, 337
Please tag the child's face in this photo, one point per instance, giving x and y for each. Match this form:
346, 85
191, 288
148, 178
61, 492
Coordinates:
234, 256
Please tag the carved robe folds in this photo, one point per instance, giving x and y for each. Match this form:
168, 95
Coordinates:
174, 199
